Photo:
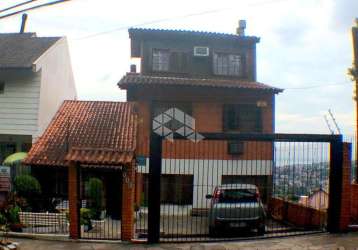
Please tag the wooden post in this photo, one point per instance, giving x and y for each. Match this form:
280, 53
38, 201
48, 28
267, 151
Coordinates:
73, 199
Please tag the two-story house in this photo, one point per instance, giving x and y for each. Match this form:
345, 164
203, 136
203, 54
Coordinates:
212, 78
35, 78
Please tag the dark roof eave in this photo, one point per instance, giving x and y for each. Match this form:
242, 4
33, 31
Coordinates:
125, 86
17, 68
147, 31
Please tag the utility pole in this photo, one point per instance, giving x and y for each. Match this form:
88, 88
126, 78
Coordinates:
354, 73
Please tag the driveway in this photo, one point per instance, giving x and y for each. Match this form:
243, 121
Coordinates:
313, 242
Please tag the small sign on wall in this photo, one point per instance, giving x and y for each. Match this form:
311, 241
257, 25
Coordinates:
5, 170
141, 160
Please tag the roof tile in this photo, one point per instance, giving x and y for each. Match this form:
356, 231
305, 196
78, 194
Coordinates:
88, 132
131, 79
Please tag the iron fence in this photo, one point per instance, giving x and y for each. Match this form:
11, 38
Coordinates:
234, 186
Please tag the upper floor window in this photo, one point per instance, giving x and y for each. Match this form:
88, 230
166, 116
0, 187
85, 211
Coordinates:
227, 64
2, 87
161, 60
242, 117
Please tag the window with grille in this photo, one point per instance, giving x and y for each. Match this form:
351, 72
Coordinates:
161, 60
227, 64
242, 118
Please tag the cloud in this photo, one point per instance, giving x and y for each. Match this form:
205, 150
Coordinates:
343, 14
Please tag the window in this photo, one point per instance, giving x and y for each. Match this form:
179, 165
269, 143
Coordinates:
170, 61
175, 189
6, 149
2, 87
178, 62
242, 117
161, 60
227, 64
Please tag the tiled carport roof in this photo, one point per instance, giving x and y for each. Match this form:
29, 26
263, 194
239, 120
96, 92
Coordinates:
89, 132
132, 79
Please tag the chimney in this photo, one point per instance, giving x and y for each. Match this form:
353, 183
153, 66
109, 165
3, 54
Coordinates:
133, 68
23, 23
241, 29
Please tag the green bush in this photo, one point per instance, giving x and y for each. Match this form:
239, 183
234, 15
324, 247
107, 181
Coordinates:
95, 194
13, 215
3, 220
27, 186
86, 216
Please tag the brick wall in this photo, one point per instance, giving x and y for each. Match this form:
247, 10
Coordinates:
354, 204
207, 109
128, 200
296, 214
346, 188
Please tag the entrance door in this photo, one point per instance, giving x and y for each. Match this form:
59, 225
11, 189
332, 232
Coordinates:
114, 194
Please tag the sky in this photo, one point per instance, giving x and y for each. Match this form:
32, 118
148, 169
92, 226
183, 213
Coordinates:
305, 47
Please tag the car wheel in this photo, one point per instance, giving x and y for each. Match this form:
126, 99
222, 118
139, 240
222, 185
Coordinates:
261, 230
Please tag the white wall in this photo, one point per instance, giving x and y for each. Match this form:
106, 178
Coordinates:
19, 104
57, 82
208, 173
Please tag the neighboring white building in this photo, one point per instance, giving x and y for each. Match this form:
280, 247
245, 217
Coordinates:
35, 78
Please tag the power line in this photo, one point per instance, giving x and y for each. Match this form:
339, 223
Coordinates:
17, 5
34, 7
317, 86
173, 18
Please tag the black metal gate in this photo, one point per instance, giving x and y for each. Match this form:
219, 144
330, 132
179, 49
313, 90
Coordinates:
233, 186
101, 203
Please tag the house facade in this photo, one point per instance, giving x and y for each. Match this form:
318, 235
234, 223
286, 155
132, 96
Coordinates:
212, 78
35, 78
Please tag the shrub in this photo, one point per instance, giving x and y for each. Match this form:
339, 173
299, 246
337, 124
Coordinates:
86, 216
13, 215
27, 186
95, 194
3, 220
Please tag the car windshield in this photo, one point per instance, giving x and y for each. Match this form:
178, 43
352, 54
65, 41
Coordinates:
237, 195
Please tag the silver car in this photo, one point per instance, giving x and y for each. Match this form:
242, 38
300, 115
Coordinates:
236, 206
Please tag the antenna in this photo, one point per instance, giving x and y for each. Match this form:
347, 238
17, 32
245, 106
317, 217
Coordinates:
328, 125
334, 121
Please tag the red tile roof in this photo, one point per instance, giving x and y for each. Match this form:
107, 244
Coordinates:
88, 132
131, 79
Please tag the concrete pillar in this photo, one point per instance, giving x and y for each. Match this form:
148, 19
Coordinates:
73, 199
128, 200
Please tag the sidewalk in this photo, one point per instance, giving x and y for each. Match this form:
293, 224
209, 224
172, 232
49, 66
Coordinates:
314, 242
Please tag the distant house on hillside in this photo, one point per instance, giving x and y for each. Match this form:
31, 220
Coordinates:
318, 199
35, 78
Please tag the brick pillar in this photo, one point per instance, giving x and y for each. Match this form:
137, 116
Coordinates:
346, 188
354, 204
128, 200
73, 197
